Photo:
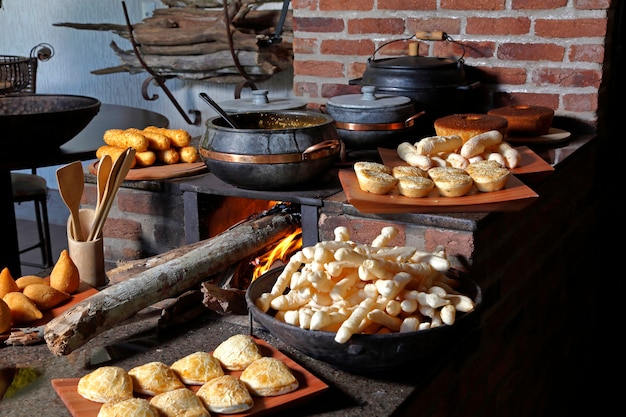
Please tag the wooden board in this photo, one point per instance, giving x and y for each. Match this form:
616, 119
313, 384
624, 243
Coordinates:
530, 162
84, 291
160, 172
553, 137
309, 387
513, 197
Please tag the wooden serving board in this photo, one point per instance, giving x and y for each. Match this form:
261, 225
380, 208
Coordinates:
530, 162
309, 387
513, 197
160, 172
553, 137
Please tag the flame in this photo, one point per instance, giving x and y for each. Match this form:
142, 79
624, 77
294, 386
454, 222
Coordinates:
280, 252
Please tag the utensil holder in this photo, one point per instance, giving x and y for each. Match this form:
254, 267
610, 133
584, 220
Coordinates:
88, 256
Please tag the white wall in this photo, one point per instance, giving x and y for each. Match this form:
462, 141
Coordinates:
27, 23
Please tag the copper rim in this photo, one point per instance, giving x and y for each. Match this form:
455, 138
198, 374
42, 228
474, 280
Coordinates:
379, 126
317, 151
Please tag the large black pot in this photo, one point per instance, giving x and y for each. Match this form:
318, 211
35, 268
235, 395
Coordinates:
436, 85
271, 150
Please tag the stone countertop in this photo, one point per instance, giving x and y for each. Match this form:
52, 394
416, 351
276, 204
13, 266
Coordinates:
136, 342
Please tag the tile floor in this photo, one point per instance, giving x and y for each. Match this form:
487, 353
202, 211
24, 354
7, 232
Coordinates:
27, 235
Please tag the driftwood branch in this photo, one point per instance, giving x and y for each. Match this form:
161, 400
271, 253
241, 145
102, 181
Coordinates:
167, 279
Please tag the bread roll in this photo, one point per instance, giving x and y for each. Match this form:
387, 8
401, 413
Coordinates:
124, 139
268, 377
154, 378
107, 383
197, 368
226, 395
488, 175
237, 352
135, 407
180, 402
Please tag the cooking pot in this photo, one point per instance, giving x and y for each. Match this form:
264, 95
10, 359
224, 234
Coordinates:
437, 85
271, 150
370, 120
260, 101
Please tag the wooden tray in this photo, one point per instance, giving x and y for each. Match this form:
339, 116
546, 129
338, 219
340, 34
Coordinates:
159, 172
515, 196
530, 162
84, 291
553, 137
310, 386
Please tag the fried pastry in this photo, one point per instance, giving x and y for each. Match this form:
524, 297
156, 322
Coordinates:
136, 407
197, 368
237, 352
268, 377
23, 309
181, 402
107, 383
226, 395
154, 378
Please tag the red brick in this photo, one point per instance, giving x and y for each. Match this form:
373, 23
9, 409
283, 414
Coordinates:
449, 25
133, 201
504, 75
90, 195
304, 4
347, 47
456, 243
580, 102
567, 77
356, 69
318, 68
484, 49
570, 28
387, 26
592, 4
407, 4
587, 53
333, 90
122, 229
301, 89
362, 231
498, 26
473, 4
536, 99
317, 24
531, 52
346, 5
537, 4
305, 46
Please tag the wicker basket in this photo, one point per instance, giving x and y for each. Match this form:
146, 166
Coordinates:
17, 74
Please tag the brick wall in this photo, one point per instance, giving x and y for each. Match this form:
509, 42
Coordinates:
548, 52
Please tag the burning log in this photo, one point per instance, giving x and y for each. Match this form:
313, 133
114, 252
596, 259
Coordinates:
168, 278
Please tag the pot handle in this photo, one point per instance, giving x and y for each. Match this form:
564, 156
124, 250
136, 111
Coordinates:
321, 150
409, 122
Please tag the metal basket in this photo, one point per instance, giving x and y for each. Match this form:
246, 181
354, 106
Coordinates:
17, 74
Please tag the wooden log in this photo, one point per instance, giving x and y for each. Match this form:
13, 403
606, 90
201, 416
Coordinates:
109, 307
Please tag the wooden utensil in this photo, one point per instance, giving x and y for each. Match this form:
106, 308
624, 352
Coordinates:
71, 180
104, 169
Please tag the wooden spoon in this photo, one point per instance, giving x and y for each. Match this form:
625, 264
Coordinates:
71, 180
104, 169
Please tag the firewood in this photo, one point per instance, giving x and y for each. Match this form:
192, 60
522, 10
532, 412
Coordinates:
103, 310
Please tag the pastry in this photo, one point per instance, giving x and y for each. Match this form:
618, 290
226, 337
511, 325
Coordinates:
44, 296
488, 175
64, 275
468, 125
226, 395
154, 378
268, 377
375, 182
197, 368
525, 120
7, 283
372, 166
107, 383
136, 407
23, 309
451, 182
23, 282
415, 186
408, 171
237, 352
180, 402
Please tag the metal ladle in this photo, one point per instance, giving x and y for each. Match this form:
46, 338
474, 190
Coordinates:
220, 110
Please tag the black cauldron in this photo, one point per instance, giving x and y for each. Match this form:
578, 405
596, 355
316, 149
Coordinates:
271, 150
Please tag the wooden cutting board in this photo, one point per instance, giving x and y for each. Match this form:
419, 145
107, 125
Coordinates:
160, 172
309, 387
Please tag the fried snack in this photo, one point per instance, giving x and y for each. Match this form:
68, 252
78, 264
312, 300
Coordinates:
44, 296
237, 352
168, 156
7, 283
23, 310
145, 159
65, 276
188, 154
478, 144
181, 402
126, 139
5, 316
178, 137
114, 152
106, 383
156, 140
408, 153
136, 407
225, 394
268, 377
26, 280
434, 145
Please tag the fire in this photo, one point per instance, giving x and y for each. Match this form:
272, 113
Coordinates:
280, 252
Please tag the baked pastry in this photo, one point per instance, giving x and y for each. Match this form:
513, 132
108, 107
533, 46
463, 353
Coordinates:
181, 402
107, 383
373, 166
154, 378
44, 296
23, 309
488, 175
225, 395
408, 171
451, 182
136, 407
525, 120
415, 186
375, 182
468, 125
268, 377
237, 352
197, 368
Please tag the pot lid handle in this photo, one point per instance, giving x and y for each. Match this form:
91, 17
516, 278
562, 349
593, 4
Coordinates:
423, 35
